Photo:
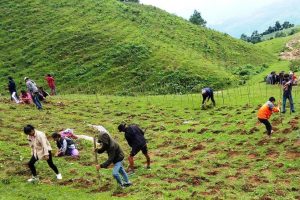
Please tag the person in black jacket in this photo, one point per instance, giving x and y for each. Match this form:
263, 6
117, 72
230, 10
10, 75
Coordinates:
136, 140
115, 156
12, 89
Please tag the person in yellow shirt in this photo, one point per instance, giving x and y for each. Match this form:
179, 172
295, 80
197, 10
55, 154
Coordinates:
265, 112
40, 150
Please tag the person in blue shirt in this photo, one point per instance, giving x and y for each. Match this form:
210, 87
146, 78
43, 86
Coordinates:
207, 93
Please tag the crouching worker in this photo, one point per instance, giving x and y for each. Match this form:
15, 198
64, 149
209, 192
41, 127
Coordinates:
41, 150
115, 156
265, 112
207, 93
136, 140
65, 145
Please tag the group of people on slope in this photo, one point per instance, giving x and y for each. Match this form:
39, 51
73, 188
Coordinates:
33, 93
269, 107
275, 79
41, 150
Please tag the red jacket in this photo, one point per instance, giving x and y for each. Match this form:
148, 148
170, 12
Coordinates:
51, 81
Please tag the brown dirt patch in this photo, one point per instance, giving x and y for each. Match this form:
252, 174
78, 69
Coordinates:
297, 143
165, 144
265, 197
279, 165
212, 173
119, 194
103, 188
256, 180
253, 130
263, 142
272, 154
181, 146
203, 130
191, 130
232, 178
252, 155
175, 131
280, 140
293, 155
233, 153
287, 130
199, 147
293, 171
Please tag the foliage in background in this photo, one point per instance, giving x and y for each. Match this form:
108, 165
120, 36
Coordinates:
197, 19
295, 65
279, 30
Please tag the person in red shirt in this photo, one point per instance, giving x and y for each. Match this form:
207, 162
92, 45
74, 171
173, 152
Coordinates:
51, 82
265, 112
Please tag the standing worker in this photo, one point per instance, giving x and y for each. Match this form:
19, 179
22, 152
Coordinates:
207, 93
51, 83
115, 156
287, 85
13, 90
32, 88
136, 140
41, 150
265, 112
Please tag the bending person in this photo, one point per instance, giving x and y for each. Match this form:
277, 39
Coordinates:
136, 140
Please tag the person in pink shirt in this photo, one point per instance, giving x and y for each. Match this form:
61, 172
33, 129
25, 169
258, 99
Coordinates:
51, 83
25, 97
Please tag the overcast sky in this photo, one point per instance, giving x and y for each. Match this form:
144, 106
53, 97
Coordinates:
213, 11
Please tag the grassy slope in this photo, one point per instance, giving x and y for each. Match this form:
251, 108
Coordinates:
113, 47
196, 154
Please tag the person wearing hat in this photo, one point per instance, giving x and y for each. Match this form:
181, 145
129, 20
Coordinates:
115, 156
287, 85
32, 88
136, 140
207, 93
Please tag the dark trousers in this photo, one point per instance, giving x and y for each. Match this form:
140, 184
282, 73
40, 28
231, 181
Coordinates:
267, 124
49, 161
209, 96
36, 101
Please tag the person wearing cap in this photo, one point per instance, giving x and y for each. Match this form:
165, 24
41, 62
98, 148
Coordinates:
265, 112
287, 85
207, 93
40, 150
115, 156
136, 140
32, 88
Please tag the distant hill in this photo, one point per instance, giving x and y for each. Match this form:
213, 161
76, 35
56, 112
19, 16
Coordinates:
115, 48
260, 20
285, 32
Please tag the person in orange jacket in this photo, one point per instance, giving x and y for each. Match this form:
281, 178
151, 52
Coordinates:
265, 112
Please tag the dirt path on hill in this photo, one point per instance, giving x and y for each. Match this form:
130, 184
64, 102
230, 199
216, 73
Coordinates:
293, 50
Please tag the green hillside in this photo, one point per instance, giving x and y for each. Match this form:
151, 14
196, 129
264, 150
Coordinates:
115, 48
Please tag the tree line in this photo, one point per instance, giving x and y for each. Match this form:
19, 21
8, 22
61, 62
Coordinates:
256, 37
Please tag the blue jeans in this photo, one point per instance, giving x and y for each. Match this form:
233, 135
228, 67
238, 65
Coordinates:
36, 101
119, 169
290, 100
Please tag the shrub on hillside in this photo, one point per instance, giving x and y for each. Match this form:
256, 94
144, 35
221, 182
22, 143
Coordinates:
295, 65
